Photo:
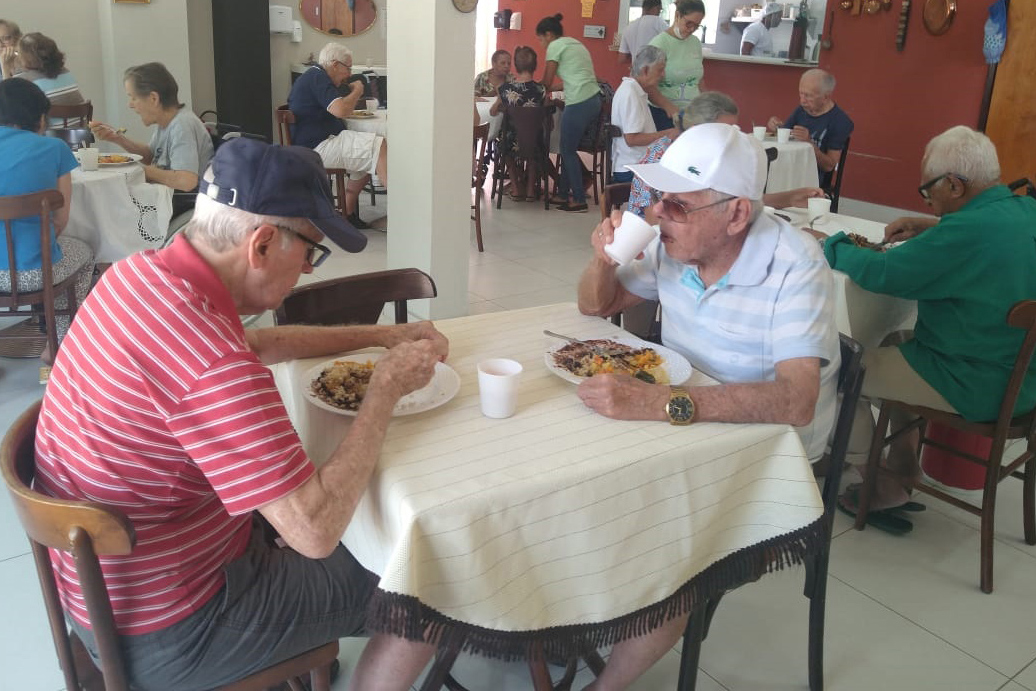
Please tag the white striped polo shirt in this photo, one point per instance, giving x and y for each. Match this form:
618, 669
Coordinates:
157, 406
776, 303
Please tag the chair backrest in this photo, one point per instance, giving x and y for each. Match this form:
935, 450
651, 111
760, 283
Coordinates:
834, 189
531, 125
79, 114
479, 141
1025, 185
771, 156
41, 205
850, 382
75, 137
285, 119
610, 133
615, 195
1021, 316
355, 299
84, 529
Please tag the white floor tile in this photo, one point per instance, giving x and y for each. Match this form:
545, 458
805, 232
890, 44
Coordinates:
27, 655
1013, 686
494, 281
931, 577
1027, 677
546, 296
568, 265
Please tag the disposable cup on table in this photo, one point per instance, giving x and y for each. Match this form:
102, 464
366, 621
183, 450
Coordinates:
372, 104
498, 386
759, 132
783, 135
88, 157
819, 208
630, 239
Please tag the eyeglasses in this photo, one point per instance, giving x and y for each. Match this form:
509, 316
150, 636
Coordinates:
316, 254
923, 190
677, 210
8, 40
346, 66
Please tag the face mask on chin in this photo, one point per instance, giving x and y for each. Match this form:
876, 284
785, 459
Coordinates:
677, 32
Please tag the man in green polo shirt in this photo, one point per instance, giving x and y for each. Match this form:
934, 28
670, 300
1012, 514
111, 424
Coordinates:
965, 269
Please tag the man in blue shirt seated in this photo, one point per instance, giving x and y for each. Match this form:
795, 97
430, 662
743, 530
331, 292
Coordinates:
818, 120
319, 108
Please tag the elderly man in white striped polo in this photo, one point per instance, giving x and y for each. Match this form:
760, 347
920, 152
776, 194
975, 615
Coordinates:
744, 296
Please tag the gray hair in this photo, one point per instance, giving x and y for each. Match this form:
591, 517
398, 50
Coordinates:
706, 107
334, 52
647, 57
223, 227
963, 151
825, 78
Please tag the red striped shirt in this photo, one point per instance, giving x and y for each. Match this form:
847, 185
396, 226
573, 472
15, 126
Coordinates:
157, 406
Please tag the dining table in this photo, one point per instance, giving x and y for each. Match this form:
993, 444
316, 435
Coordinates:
795, 166
376, 122
557, 528
117, 212
496, 122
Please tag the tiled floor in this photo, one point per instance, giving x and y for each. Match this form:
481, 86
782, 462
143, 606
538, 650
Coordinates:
903, 613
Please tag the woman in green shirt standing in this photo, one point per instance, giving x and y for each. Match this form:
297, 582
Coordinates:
569, 59
684, 68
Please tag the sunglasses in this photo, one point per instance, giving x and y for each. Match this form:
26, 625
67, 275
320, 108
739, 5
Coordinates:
677, 210
923, 190
316, 253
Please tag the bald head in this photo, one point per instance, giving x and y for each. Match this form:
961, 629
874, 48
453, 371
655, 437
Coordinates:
815, 89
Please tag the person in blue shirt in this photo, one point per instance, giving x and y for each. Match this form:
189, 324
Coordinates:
44, 64
319, 109
30, 162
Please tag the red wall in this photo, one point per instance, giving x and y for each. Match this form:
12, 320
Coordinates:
898, 100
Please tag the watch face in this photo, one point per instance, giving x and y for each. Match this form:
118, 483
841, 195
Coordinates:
680, 409
465, 5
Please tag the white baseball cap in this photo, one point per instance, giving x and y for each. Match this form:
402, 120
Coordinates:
709, 156
773, 8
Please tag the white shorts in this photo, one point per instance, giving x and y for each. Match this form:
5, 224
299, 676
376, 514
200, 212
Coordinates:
356, 152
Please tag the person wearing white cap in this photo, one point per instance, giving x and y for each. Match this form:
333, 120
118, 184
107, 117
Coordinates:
757, 39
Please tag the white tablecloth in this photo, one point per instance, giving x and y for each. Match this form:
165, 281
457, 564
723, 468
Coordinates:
796, 166
868, 317
495, 121
117, 213
557, 516
377, 124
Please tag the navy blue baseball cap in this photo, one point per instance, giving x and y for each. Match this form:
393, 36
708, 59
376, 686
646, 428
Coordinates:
275, 180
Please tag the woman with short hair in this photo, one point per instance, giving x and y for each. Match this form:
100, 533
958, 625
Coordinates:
488, 83
523, 92
43, 64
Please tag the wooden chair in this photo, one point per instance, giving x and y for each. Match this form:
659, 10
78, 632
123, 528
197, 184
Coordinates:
850, 381
834, 186
78, 115
88, 530
29, 340
356, 299
75, 137
479, 139
1025, 185
615, 196
1007, 426
598, 142
532, 126
337, 176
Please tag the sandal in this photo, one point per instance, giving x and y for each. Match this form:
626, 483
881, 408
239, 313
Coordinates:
889, 520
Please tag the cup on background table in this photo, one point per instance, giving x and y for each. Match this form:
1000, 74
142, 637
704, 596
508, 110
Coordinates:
630, 239
819, 208
759, 132
88, 157
372, 104
498, 386
783, 135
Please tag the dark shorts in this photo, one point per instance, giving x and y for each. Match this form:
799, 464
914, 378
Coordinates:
275, 604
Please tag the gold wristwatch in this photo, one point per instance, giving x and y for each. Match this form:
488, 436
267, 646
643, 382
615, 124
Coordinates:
680, 407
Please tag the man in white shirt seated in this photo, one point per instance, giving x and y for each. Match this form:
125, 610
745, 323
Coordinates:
757, 39
632, 115
640, 31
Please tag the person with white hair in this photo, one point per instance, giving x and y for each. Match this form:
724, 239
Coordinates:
319, 109
757, 39
631, 112
965, 269
819, 121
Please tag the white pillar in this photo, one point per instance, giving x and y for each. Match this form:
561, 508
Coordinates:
431, 59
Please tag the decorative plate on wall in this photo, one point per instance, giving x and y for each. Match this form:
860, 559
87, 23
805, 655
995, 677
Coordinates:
938, 15
465, 5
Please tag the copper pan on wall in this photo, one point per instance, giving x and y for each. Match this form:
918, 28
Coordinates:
938, 16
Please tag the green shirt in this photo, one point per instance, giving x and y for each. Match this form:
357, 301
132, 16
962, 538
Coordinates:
683, 67
576, 69
966, 272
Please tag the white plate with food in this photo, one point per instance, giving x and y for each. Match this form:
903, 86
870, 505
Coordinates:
339, 385
108, 160
362, 114
575, 362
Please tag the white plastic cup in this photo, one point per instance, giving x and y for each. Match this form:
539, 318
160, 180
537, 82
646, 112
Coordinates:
498, 386
819, 208
759, 132
372, 104
88, 157
783, 135
630, 239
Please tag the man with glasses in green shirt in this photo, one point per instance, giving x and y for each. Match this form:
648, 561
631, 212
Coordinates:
966, 269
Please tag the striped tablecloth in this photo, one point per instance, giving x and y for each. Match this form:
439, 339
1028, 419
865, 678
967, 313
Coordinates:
557, 525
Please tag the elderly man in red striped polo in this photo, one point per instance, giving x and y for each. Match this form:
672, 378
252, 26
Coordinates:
160, 403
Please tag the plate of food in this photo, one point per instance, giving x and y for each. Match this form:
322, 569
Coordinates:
118, 159
339, 386
362, 114
575, 362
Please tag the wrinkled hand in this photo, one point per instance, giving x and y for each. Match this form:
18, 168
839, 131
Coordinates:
799, 198
622, 397
819, 235
800, 134
103, 132
773, 123
603, 234
906, 227
8, 55
407, 367
421, 331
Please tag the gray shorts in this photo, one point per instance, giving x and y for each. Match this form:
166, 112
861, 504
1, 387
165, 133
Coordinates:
275, 604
